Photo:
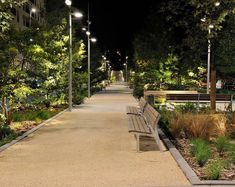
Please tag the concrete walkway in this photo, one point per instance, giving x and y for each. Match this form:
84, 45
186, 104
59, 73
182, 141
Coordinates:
90, 146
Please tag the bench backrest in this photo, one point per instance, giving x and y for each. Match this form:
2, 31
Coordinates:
142, 104
162, 93
198, 97
151, 116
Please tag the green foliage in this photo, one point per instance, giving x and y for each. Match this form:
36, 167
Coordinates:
164, 122
78, 98
32, 115
201, 150
6, 134
187, 108
213, 169
222, 144
5, 131
138, 91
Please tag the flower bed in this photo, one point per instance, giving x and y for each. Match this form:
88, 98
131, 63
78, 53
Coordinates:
204, 140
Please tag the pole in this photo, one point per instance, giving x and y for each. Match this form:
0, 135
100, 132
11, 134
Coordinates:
126, 71
30, 18
208, 63
89, 66
89, 57
70, 60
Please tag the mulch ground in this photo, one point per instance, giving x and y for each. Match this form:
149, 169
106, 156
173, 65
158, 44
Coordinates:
183, 145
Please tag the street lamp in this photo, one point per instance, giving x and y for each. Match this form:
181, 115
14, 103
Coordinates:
77, 15
126, 67
210, 26
32, 10
208, 55
89, 40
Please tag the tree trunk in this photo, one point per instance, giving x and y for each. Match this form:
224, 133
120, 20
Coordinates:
213, 88
7, 113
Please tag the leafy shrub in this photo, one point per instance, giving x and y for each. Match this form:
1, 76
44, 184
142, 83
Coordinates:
78, 99
42, 114
213, 170
201, 150
188, 107
138, 91
164, 121
47, 103
5, 131
222, 143
160, 100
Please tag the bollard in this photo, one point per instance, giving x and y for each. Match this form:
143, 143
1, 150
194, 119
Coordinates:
150, 99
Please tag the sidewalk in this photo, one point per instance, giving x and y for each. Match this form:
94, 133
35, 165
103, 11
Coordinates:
90, 146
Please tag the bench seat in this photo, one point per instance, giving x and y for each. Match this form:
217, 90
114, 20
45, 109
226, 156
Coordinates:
137, 110
137, 124
133, 110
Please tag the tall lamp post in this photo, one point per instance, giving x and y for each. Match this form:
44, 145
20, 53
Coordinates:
32, 10
89, 40
211, 26
77, 15
126, 68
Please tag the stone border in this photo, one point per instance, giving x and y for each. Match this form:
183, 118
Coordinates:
189, 173
2, 148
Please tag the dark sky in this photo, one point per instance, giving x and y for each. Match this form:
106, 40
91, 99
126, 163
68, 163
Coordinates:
114, 22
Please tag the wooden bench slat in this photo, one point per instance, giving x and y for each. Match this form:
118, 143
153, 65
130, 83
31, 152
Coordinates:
137, 124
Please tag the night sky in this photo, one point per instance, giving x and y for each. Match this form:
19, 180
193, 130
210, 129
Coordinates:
114, 22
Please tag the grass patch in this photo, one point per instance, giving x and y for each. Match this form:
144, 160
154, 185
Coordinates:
37, 116
201, 150
6, 134
214, 169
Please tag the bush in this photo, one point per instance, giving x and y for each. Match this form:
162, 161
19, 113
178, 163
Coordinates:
160, 100
188, 107
222, 144
5, 131
164, 122
78, 99
6, 134
177, 125
42, 114
213, 170
138, 91
204, 126
201, 150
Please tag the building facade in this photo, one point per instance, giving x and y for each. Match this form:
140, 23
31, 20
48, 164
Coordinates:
32, 11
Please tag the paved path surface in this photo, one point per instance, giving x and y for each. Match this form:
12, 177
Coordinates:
88, 147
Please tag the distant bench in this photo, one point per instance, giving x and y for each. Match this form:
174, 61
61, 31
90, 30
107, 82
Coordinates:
162, 93
143, 121
150, 95
201, 98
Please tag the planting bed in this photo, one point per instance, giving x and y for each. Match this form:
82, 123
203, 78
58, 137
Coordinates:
184, 147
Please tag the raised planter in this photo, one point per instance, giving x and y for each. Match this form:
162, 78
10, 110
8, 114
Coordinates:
189, 173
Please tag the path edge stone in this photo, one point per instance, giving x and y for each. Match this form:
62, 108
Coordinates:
19, 138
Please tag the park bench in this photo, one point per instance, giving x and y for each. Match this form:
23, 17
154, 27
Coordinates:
200, 98
162, 93
137, 110
150, 95
145, 124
